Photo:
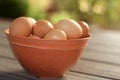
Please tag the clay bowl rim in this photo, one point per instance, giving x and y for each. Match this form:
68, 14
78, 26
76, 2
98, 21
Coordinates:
80, 39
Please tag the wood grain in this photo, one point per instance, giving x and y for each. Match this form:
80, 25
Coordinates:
97, 69
75, 76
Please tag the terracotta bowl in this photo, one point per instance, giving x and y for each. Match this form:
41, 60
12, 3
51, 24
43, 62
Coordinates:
46, 58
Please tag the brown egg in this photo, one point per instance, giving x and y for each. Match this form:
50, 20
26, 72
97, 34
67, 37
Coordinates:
85, 28
70, 27
34, 37
41, 27
21, 26
56, 34
32, 20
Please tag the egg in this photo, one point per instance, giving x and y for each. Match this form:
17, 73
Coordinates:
85, 29
34, 37
21, 26
32, 19
56, 34
41, 27
70, 27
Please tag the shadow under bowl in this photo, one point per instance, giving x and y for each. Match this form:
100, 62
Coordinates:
46, 58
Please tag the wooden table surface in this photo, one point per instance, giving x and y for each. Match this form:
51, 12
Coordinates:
99, 61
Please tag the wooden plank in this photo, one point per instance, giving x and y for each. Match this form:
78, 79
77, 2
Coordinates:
80, 76
106, 40
103, 54
68, 76
99, 57
108, 48
16, 75
97, 69
104, 46
103, 49
13, 70
6, 51
10, 65
11, 77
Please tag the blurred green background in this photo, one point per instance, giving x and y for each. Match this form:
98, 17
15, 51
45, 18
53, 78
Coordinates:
103, 13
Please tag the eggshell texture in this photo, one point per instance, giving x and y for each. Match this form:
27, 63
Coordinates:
32, 20
70, 27
56, 34
34, 37
85, 28
41, 27
21, 26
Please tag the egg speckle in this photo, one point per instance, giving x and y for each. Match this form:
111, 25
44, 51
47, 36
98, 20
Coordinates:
41, 27
21, 26
56, 34
70, 27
